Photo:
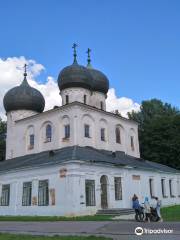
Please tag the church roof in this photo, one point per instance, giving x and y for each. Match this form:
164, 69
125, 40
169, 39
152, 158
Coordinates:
85, 154
77, 75
24, 97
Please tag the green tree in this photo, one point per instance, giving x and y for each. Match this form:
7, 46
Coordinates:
159, 132
2, 139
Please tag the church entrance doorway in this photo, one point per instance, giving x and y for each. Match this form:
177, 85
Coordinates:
104, 191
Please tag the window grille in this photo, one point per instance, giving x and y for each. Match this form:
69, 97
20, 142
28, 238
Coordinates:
43, 193
90, 192
27, 194
118, 188
5, 195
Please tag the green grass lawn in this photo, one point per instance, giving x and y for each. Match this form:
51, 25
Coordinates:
4, 236
168, 213
54, 218
171, 213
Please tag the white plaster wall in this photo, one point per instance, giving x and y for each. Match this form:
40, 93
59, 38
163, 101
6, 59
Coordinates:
97, 98
11, 137
77, 94
76, 115
70, 190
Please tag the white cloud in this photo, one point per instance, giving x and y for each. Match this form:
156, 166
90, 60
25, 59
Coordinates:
11, 74
122, 104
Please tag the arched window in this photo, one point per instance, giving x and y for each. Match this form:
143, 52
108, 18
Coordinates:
67, 99
132, 143
48, 133
118, 135
102, 107
86, 130
85, 99
30, 138
103, 134
31, 141
67, 131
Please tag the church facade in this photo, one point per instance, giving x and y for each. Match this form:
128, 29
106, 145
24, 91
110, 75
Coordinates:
78, 158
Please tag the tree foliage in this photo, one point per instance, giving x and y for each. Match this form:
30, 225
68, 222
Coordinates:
159, 132
2, 139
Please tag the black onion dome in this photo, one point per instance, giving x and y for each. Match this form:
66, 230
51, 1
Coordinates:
24, 97
75, 75
100, 81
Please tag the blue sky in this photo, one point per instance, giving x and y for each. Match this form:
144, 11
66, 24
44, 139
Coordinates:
135, 43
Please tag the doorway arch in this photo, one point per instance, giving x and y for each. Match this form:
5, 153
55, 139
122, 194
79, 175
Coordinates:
104, 191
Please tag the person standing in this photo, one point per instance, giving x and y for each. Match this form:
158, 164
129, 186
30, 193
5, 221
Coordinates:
158, 208
147, 209
135, 203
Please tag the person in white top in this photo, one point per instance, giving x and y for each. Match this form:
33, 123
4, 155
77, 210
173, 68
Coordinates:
147, 209
158, 208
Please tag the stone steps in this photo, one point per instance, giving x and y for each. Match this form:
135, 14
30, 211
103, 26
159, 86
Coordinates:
115, 211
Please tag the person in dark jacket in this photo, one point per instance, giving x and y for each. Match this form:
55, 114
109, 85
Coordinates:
135, 203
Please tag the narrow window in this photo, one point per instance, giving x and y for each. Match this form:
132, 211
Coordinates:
102, 134
90, 192
132, 143
5, 195
86, 131
163, 188
48, 133
67, 131
43, 193
118, 188
31, 141
102, 107
171, 188
178, 188
118, 135
151, 187
85, 99
67, 99
27, 194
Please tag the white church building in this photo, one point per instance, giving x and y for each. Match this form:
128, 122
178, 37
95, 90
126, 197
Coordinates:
78, 158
